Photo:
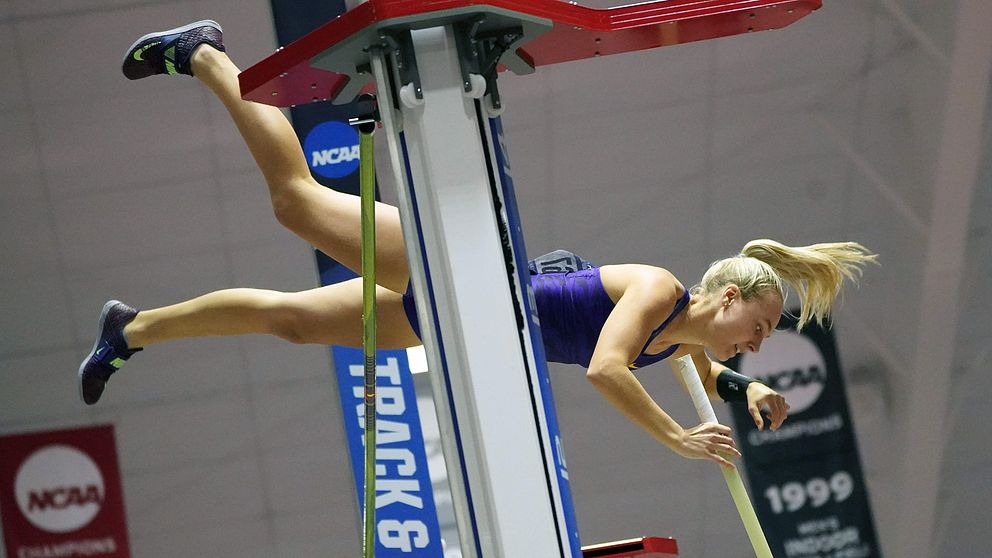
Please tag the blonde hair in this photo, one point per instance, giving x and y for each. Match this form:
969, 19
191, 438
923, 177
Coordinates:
815, 272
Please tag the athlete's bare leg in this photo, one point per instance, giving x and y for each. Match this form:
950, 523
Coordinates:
327, 219
329, 315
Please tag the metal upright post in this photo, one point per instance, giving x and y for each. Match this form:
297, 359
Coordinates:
496, 445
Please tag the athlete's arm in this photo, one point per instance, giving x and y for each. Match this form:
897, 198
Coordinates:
647, 300
758, 395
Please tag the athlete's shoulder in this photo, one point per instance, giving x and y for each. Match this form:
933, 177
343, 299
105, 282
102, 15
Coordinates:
643, 281
641, 275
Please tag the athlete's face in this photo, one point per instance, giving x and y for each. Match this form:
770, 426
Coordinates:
741, 325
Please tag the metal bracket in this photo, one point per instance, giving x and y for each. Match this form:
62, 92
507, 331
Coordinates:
404, 60
495, 46
366, 113
480, 52
468, 48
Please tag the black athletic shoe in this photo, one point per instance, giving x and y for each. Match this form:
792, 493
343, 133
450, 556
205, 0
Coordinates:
168, 52
109, 351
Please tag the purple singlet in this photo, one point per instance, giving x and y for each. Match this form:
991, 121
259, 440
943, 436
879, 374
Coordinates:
573, 306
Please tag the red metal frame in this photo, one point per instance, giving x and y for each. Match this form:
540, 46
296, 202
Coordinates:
644, 547
285, 78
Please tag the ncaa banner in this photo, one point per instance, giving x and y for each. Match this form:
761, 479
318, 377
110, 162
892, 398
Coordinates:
60, 495
406, 516
406, 513
805, 478
405, 510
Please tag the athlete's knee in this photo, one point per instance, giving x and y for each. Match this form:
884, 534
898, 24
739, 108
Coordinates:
287, 320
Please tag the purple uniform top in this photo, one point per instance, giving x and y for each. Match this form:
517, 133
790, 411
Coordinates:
572, 307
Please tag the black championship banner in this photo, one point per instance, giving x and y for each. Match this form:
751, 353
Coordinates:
805, 479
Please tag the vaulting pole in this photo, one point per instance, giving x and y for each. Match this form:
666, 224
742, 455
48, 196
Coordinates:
733, 477
367, 191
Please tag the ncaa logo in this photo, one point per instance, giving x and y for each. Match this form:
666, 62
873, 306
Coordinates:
59, 489
790, 364
332, 149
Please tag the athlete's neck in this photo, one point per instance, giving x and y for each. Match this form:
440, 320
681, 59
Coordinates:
691, 325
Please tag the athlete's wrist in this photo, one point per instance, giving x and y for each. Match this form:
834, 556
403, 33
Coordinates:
731, 386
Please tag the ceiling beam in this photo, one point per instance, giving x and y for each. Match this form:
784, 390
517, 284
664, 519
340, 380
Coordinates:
915, 31
924, 409
959, 395
860, 162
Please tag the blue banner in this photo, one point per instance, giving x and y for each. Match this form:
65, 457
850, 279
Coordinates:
406, 514
406, 518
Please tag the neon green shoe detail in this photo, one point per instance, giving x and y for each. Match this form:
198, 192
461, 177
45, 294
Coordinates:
138, 53
117, 363
170, 61
169, 52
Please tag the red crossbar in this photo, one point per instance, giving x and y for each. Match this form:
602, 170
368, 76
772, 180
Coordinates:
644, 547
285, 78
639, 27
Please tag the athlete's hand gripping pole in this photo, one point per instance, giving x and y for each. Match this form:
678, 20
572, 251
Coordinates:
733, 477
366, 127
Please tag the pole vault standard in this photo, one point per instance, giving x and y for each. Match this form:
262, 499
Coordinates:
435, 64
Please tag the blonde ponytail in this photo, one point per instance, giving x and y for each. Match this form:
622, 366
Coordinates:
815, 272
